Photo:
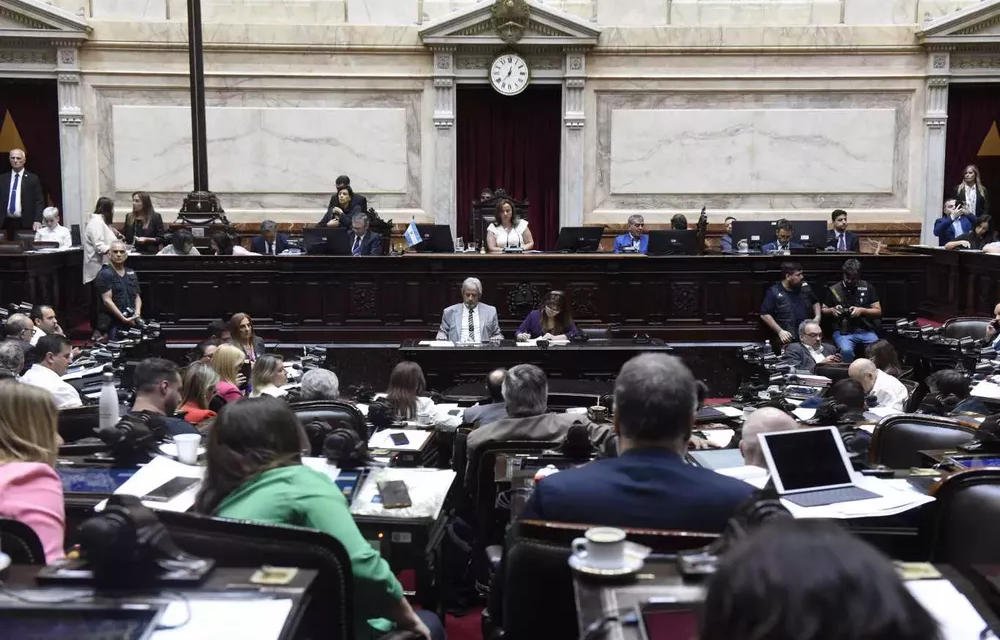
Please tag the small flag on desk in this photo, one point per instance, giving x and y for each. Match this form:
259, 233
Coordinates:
412, 234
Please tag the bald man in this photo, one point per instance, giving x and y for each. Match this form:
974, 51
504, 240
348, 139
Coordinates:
763, 420
888, 391
489, 413
22, 197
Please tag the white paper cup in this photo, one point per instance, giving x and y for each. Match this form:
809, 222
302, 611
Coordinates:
187, 447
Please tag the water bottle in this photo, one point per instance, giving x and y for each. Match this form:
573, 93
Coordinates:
767, 347
109, 402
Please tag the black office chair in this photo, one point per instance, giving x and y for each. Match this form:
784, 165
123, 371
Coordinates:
968, 517
597, 331
234, 543
958, 328
897, 440
21, 543
336, 413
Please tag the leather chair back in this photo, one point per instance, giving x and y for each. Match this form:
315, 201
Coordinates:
11, 248
958, 328
491, 521
79, 423
897, 440
597, 331
337, 413
968, 517
484, 214
21, 543
381, 227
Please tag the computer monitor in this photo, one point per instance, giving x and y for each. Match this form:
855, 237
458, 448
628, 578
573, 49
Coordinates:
673, 242
579, 239
810, 233
436, 239
757, 233
326, 241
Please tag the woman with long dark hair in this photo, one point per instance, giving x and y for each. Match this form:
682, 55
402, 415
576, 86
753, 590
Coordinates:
405, 394
254, 472
553, 320
883, 355
143, 225
508, 230
981, 235
341, 209
98, 236
222, 245
243, 336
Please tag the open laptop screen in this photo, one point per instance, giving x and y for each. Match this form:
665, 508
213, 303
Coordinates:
805, 459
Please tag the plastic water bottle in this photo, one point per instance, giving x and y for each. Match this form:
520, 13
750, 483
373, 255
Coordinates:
109, 402
767, 347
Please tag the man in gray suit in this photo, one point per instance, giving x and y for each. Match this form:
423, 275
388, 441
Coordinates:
470, 320
810, 350
496, 410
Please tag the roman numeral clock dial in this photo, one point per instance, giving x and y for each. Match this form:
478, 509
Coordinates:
509, 74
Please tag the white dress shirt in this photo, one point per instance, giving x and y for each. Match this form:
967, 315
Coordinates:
60, 234
889, 391
36, 335
97, 239
970, 198
63, 393
17, 197
817, 353
476, 323
170, 251
513, 238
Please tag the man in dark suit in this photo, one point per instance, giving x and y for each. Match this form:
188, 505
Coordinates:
496, 409
269, 242
649, 485
363, 241
358, 199
839, 238
23, 200
810, 350
783, 232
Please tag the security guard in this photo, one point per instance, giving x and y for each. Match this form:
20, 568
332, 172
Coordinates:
789, 302
855, 308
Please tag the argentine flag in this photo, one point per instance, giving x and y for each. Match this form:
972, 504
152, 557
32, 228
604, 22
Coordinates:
412, 234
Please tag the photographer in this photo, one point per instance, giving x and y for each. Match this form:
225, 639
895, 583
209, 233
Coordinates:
855, 308
121, 305
788, 303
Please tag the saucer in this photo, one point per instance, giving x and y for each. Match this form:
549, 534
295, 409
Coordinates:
632, 565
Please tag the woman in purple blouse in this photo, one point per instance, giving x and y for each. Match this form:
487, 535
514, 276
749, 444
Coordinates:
551, 321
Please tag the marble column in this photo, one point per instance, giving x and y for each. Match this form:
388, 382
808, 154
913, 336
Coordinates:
574, 119
70, 122
935, 137
443, 195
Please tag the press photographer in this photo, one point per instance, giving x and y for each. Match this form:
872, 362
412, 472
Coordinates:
120, 303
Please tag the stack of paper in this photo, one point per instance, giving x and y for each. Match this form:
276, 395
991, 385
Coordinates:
157, 472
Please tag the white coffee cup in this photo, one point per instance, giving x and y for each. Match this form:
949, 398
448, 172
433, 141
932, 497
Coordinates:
187, 447
601, 547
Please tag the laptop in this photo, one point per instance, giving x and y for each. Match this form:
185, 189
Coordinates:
810, 468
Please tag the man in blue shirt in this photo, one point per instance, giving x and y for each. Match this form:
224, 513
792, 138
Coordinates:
955, 221
788, 302
726, 242
633, 241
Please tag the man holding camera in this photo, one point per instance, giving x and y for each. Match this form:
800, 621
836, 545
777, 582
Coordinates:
121, 305
855, 308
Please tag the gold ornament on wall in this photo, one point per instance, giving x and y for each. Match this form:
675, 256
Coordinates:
510, 19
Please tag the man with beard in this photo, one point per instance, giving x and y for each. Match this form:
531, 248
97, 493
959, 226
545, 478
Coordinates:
158, 393
788, 303
856, 310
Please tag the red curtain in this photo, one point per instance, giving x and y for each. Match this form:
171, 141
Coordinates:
33, 106
511, 143
972, 110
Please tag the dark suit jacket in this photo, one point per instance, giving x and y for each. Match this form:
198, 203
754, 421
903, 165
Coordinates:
773, 246
645, 488
259, 348
32, 198
853, 244
797, 355
345, 218
982, 203
485, 413
371, 244
280, 244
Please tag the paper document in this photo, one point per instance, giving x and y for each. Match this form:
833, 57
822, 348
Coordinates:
719, 437
255, 619
383, 439
986, 389
731, 412
323, 466
428, 489
891, 502
158, 471
436, 343
83, 373
959, 620
803, 414
534, 343
755, 476
813, 380
883, 412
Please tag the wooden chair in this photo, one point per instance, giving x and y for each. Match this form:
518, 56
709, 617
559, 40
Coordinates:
484, 214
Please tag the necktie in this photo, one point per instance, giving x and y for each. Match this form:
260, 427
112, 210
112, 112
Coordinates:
356, 250
472, 327
12, 204
270, 248
842, 245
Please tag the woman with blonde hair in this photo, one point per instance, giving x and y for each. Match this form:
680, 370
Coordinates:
971, 193
200, 381
227, 362
268, 376
30, 490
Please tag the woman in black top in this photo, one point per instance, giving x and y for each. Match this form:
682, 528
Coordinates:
342, 207
143, 225
980, 236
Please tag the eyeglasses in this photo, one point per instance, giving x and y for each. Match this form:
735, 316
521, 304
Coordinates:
813, 335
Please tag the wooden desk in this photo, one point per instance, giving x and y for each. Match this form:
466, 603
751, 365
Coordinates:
54, 278
959, 283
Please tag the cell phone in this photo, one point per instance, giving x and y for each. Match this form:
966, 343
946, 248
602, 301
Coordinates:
169, 489
394, 494
399, 439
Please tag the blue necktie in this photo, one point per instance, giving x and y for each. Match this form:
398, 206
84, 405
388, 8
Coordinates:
12, 205
356, 250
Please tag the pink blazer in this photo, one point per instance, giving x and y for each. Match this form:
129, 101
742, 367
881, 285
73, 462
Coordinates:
31, 492
229, 391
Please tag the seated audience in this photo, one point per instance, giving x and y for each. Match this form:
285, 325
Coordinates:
269, 242
470, 320
52, 357
244, 338
855, 309
222, 245
763, 420
52, 231
850, 591
118, 287
553, 320
341, 209
955, 221
363, 241
319, 384
839, 238
254, 472
45, 321
726, 241
788, 303
980, 236
405, 395
20, 330
649, 485
633, 240
218, 329
810, 350
845, 408
200, 380
948, 393
678, 222
508, 230
495, 409
181, 244
204, 351
11, 360
888, 391
268, 377
227, 362
30, 490
851, 395
883, 355
143, 225
158, 393
783, 232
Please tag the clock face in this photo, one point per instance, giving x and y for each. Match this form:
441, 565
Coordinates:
509, 74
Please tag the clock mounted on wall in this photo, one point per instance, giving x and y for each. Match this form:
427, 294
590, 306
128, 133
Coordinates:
509, 74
